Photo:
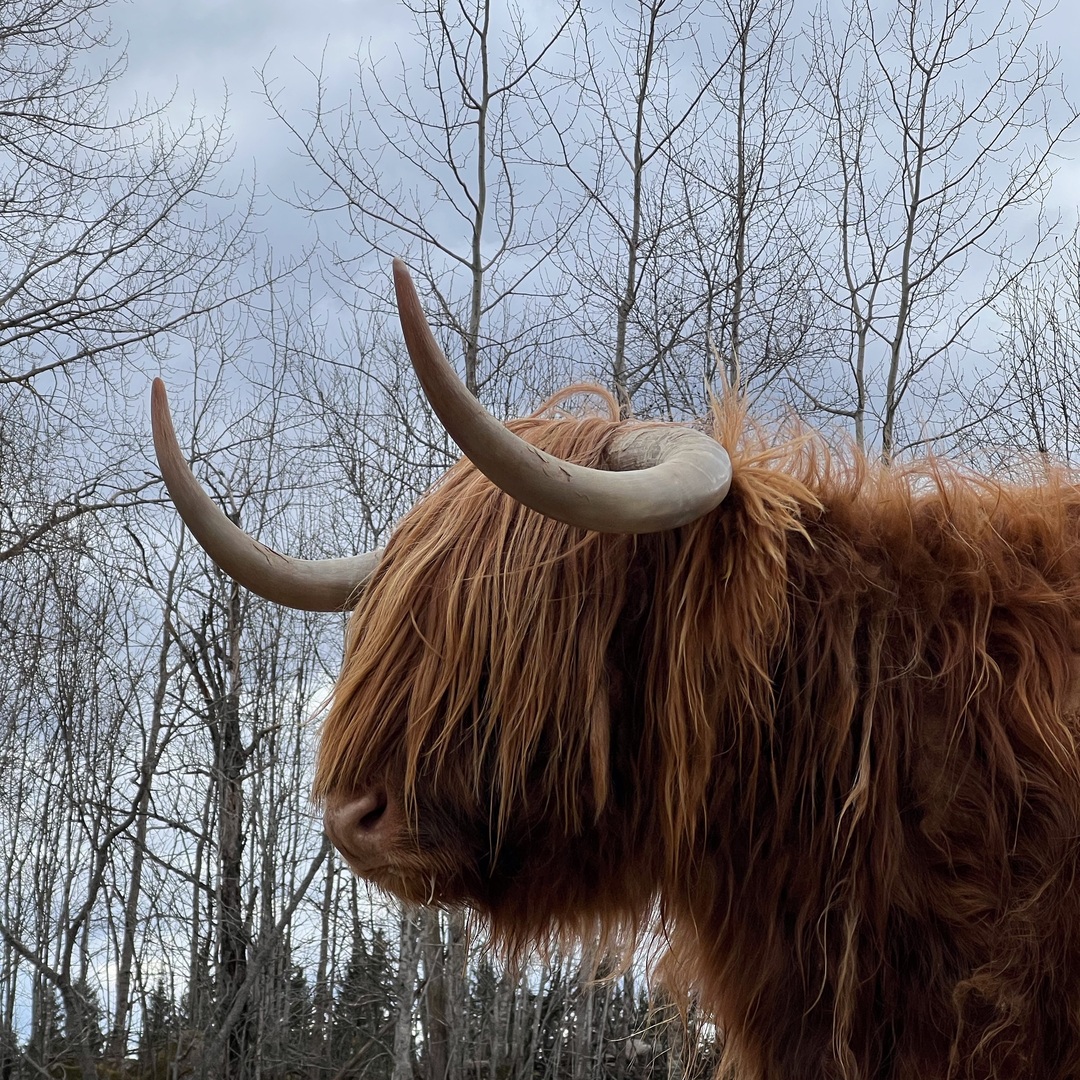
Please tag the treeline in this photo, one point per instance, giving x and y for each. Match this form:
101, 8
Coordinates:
847, 209
554, 1022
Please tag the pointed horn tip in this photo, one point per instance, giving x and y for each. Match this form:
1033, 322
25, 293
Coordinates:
159, 397
404, 287
160, 417
403, 282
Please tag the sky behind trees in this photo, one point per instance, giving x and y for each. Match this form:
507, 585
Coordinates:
212, 57
205, 49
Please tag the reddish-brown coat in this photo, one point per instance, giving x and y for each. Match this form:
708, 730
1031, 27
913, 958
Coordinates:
827, 734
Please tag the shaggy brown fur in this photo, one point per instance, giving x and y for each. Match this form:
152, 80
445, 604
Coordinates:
829, 732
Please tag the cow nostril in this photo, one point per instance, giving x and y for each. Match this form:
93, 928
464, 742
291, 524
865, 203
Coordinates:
371, 811
362, 826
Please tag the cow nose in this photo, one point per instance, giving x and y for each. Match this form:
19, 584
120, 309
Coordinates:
359, 827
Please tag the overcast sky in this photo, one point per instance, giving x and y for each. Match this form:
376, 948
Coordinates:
198, 49
204, 50
202, 46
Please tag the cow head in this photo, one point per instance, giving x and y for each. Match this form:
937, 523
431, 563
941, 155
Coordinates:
468, 754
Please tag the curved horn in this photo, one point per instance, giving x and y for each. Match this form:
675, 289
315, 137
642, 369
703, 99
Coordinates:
306, 584
663, 476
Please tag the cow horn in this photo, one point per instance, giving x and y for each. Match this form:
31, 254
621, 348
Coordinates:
661, 476
306, 584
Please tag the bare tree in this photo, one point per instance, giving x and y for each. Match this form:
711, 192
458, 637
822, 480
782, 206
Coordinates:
72, 717
430, 161
1028, 403
111, 237
408, 959
941, 125
754, 248
638, 110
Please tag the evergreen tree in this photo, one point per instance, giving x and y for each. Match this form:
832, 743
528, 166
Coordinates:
157, 1040
297, 1024
9, 1052
365, 1007
480, 1018
88, 1017
47, 1032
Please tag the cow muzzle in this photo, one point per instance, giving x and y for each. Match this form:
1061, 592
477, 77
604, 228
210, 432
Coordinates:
364, 827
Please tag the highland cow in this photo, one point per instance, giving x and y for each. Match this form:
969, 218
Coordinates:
816, 718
